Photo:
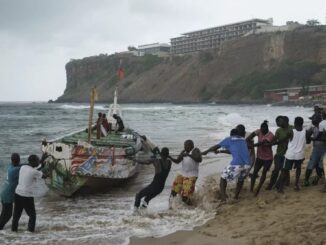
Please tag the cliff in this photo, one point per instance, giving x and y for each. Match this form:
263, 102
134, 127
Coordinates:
239, 71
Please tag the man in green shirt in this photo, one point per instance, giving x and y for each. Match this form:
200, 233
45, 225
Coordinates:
281, 139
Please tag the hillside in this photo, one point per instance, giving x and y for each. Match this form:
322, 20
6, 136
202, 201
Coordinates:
239, 71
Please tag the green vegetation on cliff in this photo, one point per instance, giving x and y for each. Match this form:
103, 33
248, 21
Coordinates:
284, 74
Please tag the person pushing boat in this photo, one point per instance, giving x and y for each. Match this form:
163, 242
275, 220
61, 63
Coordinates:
162, 169
8, 190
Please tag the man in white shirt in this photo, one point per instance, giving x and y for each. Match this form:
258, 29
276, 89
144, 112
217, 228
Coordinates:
24, 197
184, 183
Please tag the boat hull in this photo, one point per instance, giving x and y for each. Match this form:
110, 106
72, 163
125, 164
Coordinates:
73, 164
102, 185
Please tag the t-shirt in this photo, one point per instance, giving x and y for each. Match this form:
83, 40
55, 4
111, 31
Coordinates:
28, 177
264, 152
315, 134
322, 126
296, 146
8, 189
280, 135
189, 167
238, 149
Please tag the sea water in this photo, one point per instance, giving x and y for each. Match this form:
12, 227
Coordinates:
108, 218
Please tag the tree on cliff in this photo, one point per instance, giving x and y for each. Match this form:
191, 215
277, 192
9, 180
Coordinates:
312, 22
132, 48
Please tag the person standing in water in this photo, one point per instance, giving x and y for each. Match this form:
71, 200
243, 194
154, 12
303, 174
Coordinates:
237, 170
162, 169
25, 191
185, 182
8, 190
264, 155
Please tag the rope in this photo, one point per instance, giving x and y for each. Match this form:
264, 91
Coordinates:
52, 166
134, 157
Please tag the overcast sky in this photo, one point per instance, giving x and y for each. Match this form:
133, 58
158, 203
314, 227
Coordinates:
38, 37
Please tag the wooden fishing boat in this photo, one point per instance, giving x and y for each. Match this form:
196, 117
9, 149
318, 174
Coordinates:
82, 161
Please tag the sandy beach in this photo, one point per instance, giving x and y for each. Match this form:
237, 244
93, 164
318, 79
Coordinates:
296, 217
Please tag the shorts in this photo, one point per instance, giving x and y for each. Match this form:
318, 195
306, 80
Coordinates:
235, 172
288, 164
278, 162
185, 186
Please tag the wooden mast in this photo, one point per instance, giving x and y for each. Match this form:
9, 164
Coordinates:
91, 111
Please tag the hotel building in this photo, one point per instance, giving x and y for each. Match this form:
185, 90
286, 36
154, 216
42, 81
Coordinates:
213, 37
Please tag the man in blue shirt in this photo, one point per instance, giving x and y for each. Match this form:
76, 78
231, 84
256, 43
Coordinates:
8, 190
235, 145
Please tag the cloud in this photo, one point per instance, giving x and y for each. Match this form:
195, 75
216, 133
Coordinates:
38, 37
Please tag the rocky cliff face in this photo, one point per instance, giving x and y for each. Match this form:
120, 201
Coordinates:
204, 76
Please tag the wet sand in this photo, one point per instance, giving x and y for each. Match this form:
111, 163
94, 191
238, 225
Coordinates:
296, 217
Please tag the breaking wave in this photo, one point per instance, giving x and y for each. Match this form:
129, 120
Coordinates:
150, 108
82, 107
231, 119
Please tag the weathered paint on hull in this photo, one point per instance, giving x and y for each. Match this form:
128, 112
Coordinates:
103, 185
66, 183
85, 184
73, 163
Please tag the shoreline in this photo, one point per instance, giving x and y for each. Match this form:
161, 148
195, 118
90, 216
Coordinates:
296, 217
217, 102
292, 218
208, 103
212, 103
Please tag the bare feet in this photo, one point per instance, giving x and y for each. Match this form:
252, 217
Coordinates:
221, 203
